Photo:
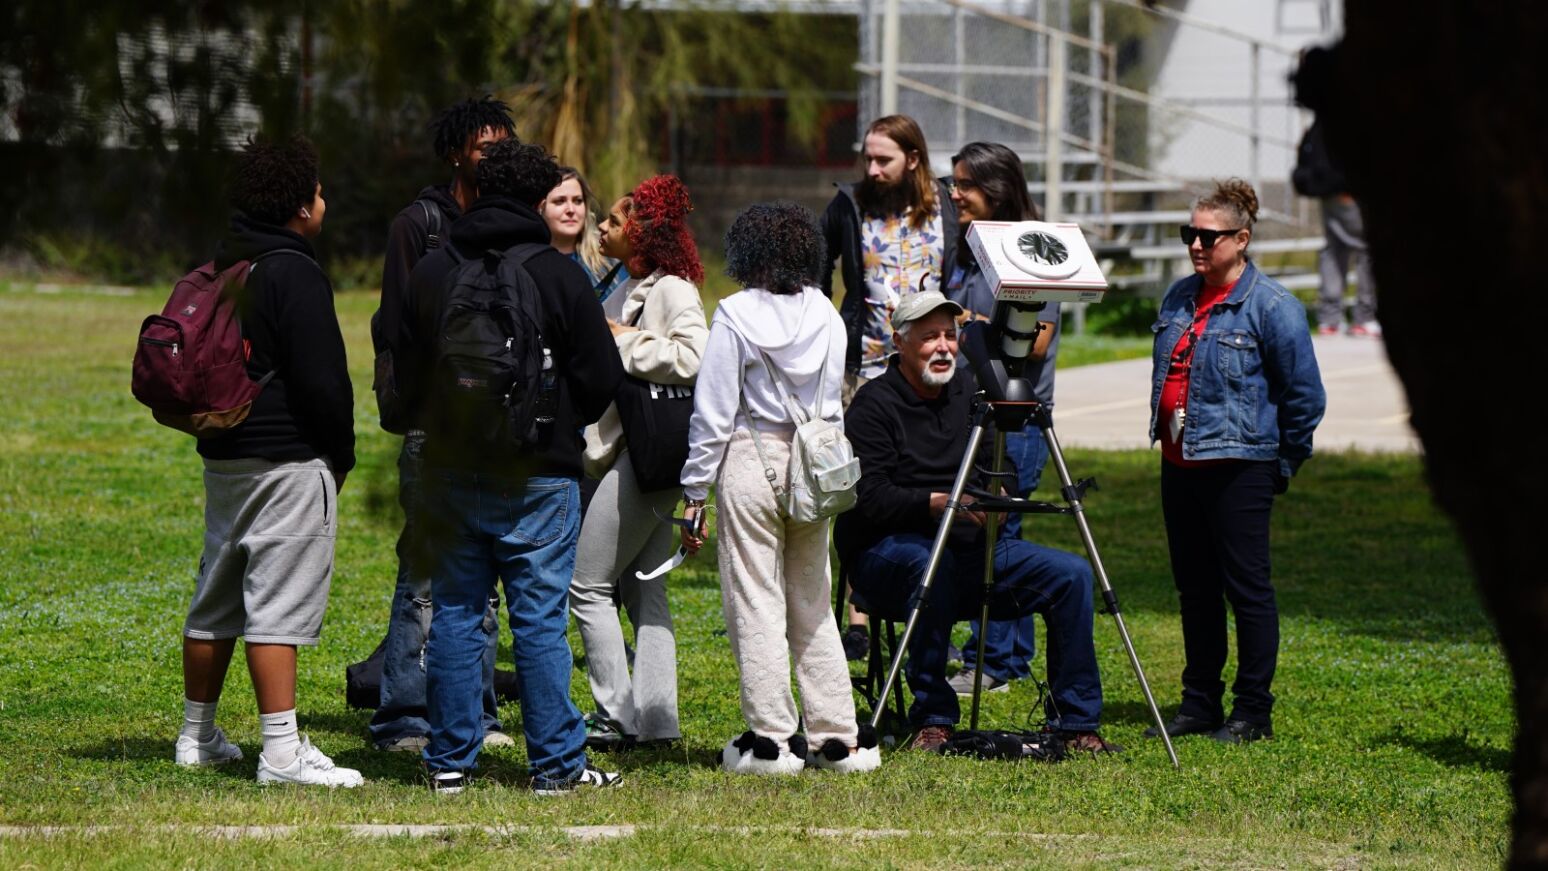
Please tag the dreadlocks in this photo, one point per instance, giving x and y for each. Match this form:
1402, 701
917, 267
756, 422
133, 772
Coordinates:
461, 121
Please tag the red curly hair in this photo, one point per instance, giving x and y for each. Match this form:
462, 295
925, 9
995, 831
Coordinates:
658, 231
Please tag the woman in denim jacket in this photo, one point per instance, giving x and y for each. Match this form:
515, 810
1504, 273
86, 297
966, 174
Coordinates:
1235, 395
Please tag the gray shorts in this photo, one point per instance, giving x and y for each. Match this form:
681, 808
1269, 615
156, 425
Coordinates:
268, 551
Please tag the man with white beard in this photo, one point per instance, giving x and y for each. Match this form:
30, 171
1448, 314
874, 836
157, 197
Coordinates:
909, 429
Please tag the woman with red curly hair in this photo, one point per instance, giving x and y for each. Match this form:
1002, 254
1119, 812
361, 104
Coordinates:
661, 334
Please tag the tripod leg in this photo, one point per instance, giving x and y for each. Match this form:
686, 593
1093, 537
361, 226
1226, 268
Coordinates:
991, 527
941, 533
1078, 510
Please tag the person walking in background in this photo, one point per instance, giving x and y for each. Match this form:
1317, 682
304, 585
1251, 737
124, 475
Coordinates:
461, 133
777, 339
501, 500
1344, 230
1235, 395
271, 483
988, 184
661, 337
1317, 175
573, 225
893, 234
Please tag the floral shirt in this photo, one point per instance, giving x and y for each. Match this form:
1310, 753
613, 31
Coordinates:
896, 259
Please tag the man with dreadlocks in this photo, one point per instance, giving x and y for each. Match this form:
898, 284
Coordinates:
462, 132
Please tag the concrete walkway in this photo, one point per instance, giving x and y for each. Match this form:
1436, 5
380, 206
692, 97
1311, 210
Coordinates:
1108, 405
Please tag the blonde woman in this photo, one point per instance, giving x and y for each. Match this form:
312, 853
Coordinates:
572, 224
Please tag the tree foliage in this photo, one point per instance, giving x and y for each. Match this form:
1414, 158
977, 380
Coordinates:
166, 89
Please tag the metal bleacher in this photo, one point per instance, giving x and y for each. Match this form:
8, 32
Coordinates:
1042, 76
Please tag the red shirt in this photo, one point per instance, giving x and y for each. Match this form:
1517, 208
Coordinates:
1175, 391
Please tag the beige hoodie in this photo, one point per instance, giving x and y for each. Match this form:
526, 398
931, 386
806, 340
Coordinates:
666, 349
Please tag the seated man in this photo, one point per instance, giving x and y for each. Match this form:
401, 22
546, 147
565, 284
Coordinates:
909, 428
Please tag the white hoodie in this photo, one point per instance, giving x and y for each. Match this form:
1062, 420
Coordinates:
799, 333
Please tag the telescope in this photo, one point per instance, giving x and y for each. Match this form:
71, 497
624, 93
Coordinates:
1028, 264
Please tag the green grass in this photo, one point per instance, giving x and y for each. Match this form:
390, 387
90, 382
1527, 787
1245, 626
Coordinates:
1394, 720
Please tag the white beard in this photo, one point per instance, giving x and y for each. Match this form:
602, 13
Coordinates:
933, 378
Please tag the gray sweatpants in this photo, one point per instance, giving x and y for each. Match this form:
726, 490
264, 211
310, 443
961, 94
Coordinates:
1344, 230
777, 593
620, 535
268, 551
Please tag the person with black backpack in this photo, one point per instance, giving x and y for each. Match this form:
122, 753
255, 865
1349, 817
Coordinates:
401, 721
271, 482
508, 356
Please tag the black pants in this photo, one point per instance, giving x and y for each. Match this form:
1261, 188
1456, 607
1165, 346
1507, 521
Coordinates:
1217, 527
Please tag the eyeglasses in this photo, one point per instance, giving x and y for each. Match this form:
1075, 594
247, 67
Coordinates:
963, 185
1207, 238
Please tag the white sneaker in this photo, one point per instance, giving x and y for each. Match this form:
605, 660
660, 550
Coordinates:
216, 751
310, 768
498, 739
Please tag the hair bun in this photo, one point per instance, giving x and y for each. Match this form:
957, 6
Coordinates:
1240, 194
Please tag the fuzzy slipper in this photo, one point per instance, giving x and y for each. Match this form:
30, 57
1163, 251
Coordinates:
751, 753
834, 756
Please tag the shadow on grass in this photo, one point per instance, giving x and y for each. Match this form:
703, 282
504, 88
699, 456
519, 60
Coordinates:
1454, 751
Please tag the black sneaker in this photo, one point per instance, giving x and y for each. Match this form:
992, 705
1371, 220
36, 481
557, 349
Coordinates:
1184, 724
448, 782
1242, 732
591, 776
857, 643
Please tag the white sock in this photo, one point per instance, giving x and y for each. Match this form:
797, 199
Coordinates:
281, 739
199, 719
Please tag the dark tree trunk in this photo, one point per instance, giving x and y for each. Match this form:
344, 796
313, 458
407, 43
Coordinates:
1439, 114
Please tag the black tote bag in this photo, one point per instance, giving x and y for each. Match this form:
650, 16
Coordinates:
655, 423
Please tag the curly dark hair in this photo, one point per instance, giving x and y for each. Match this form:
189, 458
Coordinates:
658, 230
269, 180
522, 171
462, 121
775, 246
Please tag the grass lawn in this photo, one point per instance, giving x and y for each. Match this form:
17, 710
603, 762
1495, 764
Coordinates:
1394, 720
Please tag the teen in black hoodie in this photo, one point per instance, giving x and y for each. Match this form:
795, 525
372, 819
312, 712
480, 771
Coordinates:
307, 410
513, 517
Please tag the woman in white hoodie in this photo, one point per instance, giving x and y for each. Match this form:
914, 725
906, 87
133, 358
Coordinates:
774, 577
661, 336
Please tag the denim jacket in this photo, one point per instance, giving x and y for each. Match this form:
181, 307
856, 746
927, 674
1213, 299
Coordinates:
1254, 392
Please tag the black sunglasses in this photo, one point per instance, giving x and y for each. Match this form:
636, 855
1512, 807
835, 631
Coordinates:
1207, 238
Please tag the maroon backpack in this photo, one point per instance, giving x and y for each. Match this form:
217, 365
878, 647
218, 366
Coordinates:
190, 366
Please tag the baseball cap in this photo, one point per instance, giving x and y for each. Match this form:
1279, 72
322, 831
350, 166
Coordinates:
917, 305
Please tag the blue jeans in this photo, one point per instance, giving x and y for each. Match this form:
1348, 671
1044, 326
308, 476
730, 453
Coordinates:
404, 711
482, 528
1010, 644
1028, 578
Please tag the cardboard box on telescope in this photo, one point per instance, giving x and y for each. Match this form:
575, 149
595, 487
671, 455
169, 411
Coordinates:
1035, 261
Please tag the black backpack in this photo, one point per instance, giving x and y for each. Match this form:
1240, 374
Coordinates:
491, 386
1315, 174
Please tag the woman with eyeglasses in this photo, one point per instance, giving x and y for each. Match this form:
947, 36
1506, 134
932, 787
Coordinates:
1235, 395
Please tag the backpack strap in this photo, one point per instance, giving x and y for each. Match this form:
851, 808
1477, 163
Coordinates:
432, 222
798, 414
242, 283
768, 468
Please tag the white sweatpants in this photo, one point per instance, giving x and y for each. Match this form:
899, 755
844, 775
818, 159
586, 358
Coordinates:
777, 594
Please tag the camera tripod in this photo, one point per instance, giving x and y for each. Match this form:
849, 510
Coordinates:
1012, 411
